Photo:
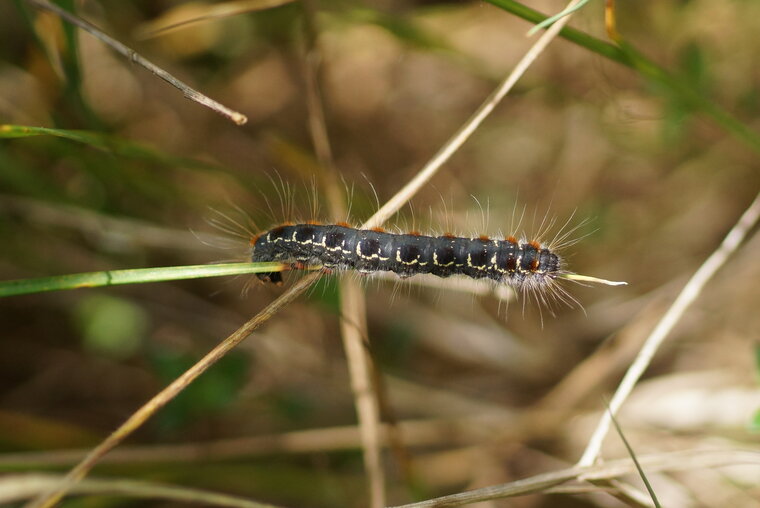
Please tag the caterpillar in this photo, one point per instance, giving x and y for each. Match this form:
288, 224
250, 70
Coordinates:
522, 265
529, 267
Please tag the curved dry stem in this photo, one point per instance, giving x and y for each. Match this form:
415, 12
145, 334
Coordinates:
166, 24
17, 487
687, 296
674, 461
353, 329
470, 126
353, 321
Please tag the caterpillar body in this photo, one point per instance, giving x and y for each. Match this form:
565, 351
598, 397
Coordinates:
523, 265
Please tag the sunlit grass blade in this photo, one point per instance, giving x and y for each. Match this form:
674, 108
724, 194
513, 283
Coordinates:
550, 21
135, 276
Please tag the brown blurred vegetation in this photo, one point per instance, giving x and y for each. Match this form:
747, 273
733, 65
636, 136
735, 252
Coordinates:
581, 136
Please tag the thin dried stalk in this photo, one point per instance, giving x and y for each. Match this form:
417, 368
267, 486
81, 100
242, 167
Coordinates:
687, 296
166, 24
17, 487
353, 327
424, 432
353, 321
132, 56
675, 461
470, 126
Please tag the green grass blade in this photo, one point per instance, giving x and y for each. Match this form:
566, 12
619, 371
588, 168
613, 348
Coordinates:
136, 276
629, 56
24, 131
755, 423
103, 142
582, 39
628, 447
550, 21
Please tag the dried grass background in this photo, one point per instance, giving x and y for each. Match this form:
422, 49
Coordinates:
482, 399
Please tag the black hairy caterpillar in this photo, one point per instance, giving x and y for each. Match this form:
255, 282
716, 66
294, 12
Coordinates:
523, 265
531, 267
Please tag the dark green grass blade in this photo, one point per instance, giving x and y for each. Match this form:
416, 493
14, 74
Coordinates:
136, 276
627, 55
589, 42
755, 423
104, 142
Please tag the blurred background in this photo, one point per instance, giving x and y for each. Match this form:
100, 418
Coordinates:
485, 393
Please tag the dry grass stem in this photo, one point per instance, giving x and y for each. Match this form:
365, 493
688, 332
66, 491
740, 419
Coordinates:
17, 487
687, 296
353, 321
330, 439
171, 21
584, 379
626, 493
130, 54
676, 461
468, 128
353, 308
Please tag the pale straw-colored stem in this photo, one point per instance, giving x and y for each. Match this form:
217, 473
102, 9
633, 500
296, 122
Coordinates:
353, 320
470, 126
687, 296
133, 56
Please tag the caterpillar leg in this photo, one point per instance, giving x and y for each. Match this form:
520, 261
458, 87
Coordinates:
270, 277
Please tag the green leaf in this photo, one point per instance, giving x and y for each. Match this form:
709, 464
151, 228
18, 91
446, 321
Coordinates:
293, 406
111, 326
755, 424
209, 394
